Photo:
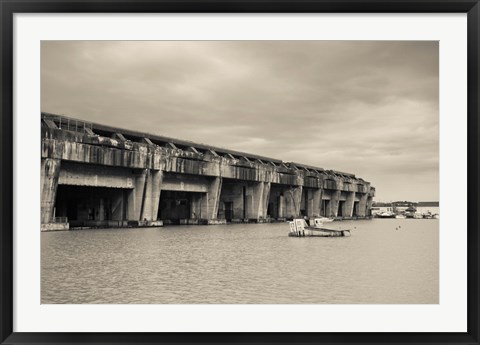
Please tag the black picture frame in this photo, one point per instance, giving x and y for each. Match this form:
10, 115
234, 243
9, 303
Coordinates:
9, 8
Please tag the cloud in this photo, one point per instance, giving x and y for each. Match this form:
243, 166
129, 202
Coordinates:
366, 107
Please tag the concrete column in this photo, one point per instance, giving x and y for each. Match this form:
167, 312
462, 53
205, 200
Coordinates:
258, 195
135, 199
333, 205
281, 206
212, 199
157, 179
49, 184
362, 205
293, 199
252, 197
349, 204
265, 198
316, 203
313, 201
151, 195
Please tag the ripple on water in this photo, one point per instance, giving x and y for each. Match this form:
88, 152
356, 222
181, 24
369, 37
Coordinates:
243, 263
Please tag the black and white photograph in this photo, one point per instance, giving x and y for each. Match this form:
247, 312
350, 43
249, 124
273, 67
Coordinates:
239, 172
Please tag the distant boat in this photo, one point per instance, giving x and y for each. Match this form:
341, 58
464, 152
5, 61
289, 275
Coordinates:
400, 216
386, 214
300, 228
430, 215
418, 215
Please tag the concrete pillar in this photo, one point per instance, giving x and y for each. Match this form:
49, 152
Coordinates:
157, 179
151, 195
252, 195
333, 205
265, 198
281, 206
293, 200
212, 199
316, 202
146, 201
349, 204
49, 184
258, 195
362, 205
313, 200
135, 198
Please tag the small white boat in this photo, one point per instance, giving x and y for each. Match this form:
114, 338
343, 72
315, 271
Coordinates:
386, 214
430, 215
400, 216
300, 228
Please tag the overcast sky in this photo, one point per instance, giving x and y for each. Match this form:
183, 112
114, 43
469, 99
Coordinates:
368, 108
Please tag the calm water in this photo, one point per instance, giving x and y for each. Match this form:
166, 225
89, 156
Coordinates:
243, 263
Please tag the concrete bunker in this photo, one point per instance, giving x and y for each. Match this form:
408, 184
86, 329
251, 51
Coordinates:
96, 175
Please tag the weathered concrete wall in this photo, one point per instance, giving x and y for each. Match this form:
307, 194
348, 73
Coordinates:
95, 176
49, 183
293, 201
100, 155
142, 156
185, 183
